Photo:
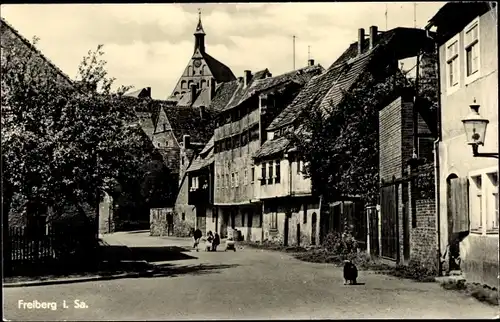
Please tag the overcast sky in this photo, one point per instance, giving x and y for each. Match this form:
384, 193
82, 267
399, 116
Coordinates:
150, 44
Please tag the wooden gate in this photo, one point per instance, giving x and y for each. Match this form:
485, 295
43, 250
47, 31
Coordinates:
372, 215
389, 217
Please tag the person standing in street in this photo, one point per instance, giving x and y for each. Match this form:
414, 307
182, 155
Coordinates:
216, 242
197, 236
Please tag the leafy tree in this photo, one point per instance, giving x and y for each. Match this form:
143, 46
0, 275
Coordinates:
65, 141
340, 144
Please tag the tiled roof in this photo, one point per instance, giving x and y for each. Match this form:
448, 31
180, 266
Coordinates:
140, 93
201, 162
221, 72
241, 90
4, 23
257, 85
300, 76
272, 147
312, 93
208, 146
344, 82
204, 158
326, 90
188, 121
185, 100
203, 98
223, 94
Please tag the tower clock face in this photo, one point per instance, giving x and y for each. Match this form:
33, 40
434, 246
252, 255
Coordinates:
197, 63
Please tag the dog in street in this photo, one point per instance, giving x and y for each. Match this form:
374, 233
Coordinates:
350, 273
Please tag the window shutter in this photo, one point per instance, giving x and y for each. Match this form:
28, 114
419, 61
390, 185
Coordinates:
459, 204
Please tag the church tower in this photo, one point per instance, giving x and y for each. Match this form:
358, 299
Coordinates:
203, 71
199, 36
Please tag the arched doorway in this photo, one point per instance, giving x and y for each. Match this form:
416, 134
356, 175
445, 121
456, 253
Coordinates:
313, 228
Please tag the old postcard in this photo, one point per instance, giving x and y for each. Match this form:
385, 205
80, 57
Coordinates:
250, 161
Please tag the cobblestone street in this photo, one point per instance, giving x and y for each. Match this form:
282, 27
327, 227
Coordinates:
244, 284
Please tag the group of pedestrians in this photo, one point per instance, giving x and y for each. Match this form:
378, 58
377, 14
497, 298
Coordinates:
212, 240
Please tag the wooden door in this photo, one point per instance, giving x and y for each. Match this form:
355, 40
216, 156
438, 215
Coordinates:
313, 228
406, 232
389, 217
285, 233
373, 228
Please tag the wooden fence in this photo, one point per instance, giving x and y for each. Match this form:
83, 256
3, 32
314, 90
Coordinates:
32, 251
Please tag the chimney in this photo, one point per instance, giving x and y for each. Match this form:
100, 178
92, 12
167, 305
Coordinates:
361, 39
186, 141
310, 62
248, 77
193, 92
240, 79
148, 90
373, 36
212, 89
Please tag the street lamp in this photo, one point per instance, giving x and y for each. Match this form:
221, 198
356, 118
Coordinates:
475, 131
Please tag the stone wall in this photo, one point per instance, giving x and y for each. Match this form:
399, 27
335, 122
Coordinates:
423, 238
297, 219
106, 219
159, 223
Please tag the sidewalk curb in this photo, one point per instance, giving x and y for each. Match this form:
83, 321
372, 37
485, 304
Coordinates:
81, 279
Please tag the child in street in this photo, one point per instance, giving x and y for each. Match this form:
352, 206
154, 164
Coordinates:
197, 235
216, 242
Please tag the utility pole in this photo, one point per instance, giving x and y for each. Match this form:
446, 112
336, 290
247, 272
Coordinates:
414, 15
386, 17
293, 52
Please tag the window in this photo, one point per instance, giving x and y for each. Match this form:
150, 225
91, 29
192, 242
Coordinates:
183, 216
182, 160
263, 176
236, 179
305, 214
476, 197
190, 71
183, 85
274, 218
471, 45
278, 172
245, 177
218, 182
299, 166
232, 180
252, 173
483, 196
270, 178
493, 219
452, 63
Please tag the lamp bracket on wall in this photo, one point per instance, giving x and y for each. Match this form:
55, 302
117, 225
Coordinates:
477, 154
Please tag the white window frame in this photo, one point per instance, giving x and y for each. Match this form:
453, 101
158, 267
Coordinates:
491, 213
487, 201
277, 167
236, 179
476, 207
245, 177
449, 88
474, 76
